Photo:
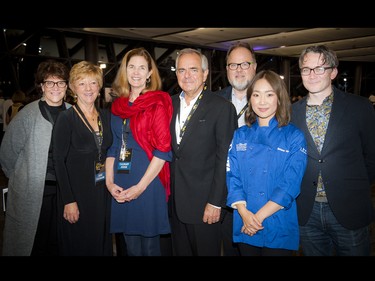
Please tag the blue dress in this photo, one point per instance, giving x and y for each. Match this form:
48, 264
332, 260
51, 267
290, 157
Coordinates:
148, 214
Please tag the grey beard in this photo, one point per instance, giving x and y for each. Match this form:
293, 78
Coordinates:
240, 86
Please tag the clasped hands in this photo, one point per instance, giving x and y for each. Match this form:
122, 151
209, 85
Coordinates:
122, 195
251, 223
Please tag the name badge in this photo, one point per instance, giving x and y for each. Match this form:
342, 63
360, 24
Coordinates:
99, 171
124, 167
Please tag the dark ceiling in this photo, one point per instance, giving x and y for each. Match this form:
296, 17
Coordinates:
350, 44
22, 50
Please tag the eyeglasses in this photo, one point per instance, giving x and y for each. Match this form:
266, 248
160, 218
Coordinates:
51, 84
244, 65
305, 71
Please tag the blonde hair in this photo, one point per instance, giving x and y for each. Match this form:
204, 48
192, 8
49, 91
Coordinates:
84, 68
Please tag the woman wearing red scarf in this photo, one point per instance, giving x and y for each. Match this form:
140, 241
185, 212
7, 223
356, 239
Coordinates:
137, 166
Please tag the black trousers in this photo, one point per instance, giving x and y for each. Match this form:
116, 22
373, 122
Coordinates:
45, 242
229, 247
249, 250
199, 239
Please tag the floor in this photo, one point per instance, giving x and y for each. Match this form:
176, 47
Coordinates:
117, 250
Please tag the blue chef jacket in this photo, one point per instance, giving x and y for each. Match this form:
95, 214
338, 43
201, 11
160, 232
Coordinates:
267, 163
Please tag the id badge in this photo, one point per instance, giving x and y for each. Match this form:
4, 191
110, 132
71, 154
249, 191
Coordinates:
124, 167
99, 171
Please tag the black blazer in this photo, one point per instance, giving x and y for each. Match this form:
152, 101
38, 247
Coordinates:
347, 160
225, 92
198, 168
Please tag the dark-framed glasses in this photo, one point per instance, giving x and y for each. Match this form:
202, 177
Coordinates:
51, 84
319, 70
244, 65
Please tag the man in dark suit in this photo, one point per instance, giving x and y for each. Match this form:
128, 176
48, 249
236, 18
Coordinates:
334, 207
241, 67
202, 128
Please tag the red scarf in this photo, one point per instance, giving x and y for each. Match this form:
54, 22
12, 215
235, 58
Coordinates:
150, 117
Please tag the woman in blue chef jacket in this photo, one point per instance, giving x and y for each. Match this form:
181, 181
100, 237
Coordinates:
266, 162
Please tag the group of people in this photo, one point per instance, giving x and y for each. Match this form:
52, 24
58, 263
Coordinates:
239, 172
9, 107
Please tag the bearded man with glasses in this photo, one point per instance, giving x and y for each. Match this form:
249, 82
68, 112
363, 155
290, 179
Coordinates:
241, 66
334, 207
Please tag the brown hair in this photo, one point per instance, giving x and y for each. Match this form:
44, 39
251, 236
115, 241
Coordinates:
240, 45
121, 86
328, 56
283, 111
50, 68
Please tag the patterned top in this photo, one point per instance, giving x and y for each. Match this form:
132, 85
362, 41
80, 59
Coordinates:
317, 118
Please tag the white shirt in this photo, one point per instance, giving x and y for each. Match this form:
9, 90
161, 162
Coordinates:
184, 112
239, 104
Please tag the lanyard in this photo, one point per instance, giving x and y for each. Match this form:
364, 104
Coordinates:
125, 131
98, 138
124, 139
242, 111
182, 131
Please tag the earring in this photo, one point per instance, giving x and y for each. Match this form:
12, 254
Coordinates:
148, 80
